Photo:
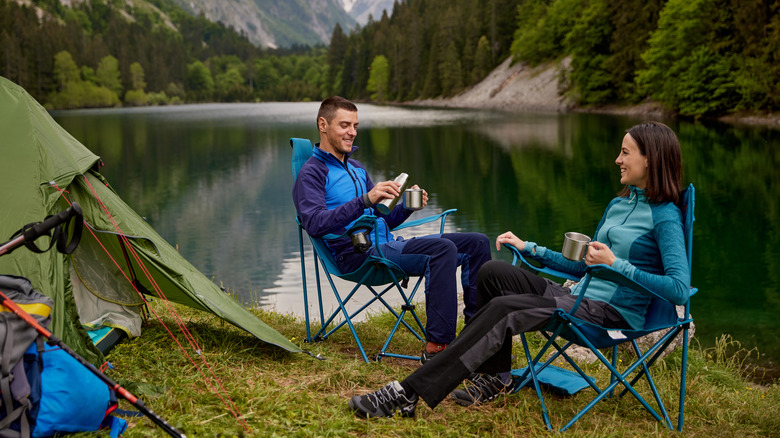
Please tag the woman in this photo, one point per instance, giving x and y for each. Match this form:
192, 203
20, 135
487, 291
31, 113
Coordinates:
640, 235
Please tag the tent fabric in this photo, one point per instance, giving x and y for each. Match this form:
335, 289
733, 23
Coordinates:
40, 156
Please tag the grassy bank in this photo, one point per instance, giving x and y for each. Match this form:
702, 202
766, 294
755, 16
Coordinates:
283, 394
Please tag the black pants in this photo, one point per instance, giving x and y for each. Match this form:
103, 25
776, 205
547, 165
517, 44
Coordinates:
512, 301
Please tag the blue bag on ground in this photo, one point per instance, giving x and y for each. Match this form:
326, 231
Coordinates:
72, 398
43, 389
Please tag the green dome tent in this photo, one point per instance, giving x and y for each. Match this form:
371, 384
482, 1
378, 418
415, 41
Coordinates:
38, 159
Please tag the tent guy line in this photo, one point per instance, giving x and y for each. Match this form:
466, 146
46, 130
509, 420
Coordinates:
27, 237
221, 392
95, 302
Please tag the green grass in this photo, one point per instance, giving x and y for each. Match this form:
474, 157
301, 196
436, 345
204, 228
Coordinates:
283, 394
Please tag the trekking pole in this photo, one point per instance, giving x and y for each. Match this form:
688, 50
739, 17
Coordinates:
27, 236
122, 392
31, 232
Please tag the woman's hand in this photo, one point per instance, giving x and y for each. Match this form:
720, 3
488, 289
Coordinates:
599, 254
510, 238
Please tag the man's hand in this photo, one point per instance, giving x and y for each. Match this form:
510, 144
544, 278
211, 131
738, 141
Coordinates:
425, 195
384, 190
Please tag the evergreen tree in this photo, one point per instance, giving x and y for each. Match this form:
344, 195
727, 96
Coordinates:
631, 24
482, 63
335, 59
450, 71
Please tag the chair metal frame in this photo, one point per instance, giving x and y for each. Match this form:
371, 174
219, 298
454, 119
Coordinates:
661, 315
374, 272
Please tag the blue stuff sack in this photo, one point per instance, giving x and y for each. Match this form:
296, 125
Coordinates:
72, 399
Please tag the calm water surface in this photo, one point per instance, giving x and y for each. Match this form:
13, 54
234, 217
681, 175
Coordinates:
215, 181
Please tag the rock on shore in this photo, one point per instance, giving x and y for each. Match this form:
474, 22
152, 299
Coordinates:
517, 87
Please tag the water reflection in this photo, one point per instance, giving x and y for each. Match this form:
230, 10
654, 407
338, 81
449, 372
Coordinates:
215, 180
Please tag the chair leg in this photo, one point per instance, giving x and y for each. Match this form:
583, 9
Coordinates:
532, 369
319, 294
305, 291
614, 364
621, 378
683, 375
651, 382
347, 318
408, 307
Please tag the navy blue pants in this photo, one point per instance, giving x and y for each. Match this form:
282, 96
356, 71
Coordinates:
437, 257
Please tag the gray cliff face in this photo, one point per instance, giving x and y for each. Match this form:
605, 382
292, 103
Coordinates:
276, 23
361, 9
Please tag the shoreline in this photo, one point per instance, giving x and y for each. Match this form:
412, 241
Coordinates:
522, 88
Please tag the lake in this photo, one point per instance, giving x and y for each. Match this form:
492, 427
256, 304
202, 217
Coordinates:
215, 181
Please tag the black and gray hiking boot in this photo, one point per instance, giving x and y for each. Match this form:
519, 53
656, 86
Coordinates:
485, 388
384, 402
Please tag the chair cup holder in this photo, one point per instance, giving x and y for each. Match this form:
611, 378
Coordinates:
361, 240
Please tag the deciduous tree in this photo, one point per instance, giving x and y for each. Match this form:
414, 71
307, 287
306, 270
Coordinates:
378, 79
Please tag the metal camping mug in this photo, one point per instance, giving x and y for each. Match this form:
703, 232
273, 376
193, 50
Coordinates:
361, 240
413, 199
387, 205
575, 245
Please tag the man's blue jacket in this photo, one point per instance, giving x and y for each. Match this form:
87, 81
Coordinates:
328, 195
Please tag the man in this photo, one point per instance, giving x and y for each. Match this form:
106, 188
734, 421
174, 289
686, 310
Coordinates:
333, 190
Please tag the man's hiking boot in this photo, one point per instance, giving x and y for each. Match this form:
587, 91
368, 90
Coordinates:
484, 388
384, 402
431, 349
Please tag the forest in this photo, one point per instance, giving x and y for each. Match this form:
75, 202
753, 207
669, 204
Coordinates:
696, 57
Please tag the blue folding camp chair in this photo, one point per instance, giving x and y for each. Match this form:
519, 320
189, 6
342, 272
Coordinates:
375, 271
662, 315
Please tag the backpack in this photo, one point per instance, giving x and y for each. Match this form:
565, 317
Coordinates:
44, 389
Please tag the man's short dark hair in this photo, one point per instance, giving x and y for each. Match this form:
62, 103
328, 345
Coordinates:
331, 105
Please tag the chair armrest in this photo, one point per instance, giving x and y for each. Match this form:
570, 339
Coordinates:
605, 272
366, 221
425, 220
516, 255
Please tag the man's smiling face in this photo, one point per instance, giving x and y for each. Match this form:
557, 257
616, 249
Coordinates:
337, 135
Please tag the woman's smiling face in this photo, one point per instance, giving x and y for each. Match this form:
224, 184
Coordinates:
633, 165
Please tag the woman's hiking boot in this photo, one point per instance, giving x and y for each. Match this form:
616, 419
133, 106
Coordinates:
484, 388
384, 402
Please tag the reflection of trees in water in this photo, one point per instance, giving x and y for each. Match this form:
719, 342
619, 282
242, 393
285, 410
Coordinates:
207, 189
738, 228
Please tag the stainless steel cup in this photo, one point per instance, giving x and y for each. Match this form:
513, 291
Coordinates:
387, 205
575, 245
361, 241
413, 199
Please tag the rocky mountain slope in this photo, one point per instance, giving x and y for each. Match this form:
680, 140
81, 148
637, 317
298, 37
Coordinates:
276, 23
360, 10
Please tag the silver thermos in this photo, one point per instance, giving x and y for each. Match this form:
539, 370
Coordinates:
387, 205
